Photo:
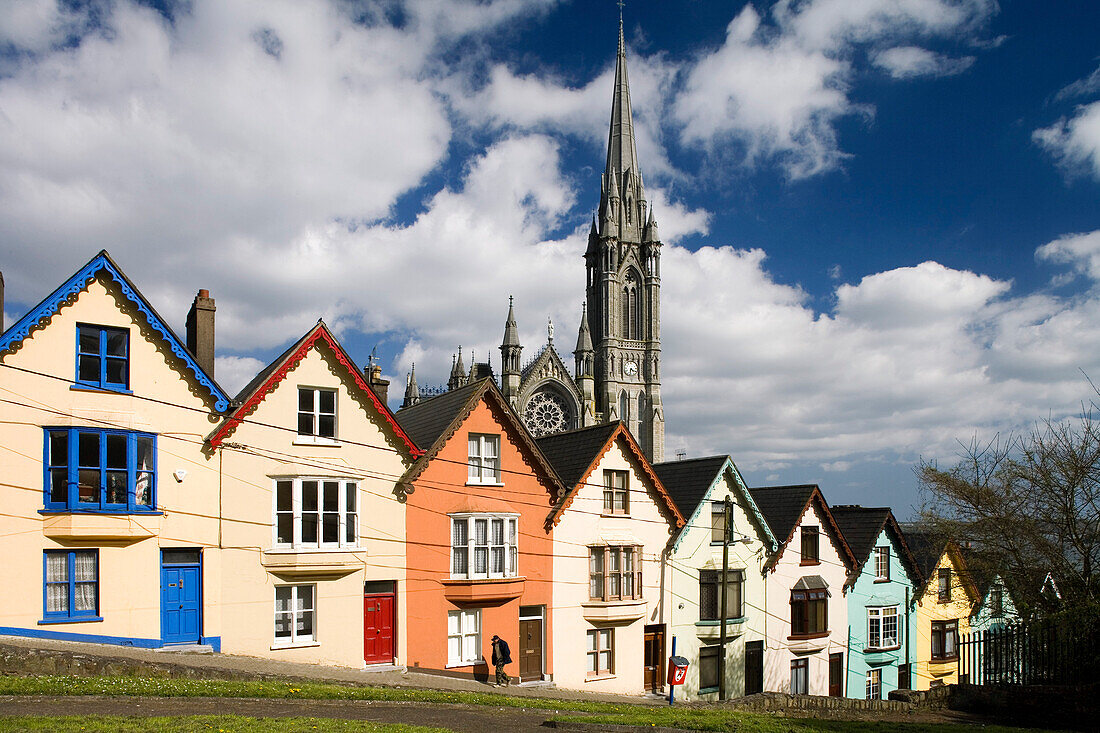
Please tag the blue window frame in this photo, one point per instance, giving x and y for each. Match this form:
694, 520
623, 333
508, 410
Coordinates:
70, 589
102, 357
100, 470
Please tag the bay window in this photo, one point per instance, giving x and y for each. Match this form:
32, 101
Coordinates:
316, 513
882, 628
614, 572
484, 546
100, 470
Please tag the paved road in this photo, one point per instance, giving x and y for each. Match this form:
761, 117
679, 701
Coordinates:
459, 718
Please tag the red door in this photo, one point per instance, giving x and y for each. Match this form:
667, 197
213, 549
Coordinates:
378, 628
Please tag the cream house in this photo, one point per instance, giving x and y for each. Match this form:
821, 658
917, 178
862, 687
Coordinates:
612, 527
700, 488
312, 530
110, 529
805, 605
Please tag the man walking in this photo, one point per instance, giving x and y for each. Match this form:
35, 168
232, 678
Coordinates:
501, 656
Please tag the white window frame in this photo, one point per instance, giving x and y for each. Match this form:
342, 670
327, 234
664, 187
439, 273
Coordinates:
874, 684
595, 651
473, 549
315, 437
294, 612
348, 516
876, 628
468, 639
882, 563
484, 464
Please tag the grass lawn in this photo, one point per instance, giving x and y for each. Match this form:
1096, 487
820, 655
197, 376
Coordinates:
692, 718
745, 722
198, 724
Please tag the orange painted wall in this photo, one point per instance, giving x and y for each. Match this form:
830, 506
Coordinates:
441, 489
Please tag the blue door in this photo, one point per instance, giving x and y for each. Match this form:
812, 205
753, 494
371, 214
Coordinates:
181, 597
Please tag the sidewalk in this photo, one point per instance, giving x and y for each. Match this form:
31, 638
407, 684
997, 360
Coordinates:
20, 655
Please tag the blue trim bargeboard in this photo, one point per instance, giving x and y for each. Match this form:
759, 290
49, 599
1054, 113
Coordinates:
40, 317
215, 642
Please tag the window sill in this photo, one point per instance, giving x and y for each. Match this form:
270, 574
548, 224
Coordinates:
316, 442
882, 580
103, 512
599, 677
810, 562
802, 637
124, 527
944, 660
483, 590
877, 649
335, 561
718, 622
456, 665
708, 690
614, 611
484, 483
100, 390
69, 620
300, 645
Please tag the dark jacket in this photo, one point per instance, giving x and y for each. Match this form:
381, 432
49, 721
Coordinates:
501, 653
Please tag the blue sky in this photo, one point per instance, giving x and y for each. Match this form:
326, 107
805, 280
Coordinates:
881, 221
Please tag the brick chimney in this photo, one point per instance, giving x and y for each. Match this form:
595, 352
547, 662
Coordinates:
380, 386
200, 331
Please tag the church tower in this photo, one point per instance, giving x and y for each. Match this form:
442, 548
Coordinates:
623, 287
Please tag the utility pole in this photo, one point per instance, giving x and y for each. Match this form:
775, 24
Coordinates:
727, 519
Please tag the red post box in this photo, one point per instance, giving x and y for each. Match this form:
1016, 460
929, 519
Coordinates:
677, 670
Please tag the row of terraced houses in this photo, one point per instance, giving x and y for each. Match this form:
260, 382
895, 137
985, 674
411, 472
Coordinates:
303, 520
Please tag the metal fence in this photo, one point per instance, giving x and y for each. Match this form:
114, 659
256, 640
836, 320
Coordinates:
1044, 653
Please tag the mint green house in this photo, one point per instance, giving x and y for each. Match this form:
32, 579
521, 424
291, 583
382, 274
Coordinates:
880, 599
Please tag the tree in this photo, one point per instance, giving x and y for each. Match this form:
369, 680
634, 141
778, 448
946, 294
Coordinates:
1025, 506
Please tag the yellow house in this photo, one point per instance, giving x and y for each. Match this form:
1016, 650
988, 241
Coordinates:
109, 531
312, 531
942, 610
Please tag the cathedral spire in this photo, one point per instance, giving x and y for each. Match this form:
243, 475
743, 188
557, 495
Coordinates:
621, 177
412, 390
510, 350
511, 331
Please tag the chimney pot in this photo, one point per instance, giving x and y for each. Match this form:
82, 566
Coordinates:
200, 330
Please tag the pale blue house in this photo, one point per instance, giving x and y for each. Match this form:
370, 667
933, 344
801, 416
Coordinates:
880, 600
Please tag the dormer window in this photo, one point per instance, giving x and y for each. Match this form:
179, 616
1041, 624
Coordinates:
103, 357
811, 551
316, 415
483, 459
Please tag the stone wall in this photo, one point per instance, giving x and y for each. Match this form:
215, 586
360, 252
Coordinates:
819, 706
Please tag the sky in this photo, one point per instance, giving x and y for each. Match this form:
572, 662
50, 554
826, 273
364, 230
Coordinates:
881, 218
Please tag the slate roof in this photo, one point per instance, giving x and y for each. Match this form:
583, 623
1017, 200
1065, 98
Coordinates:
688, 481
571, 453
924, 546
861, 527
782, 506
428, 419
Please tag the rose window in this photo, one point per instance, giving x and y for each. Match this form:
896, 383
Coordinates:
546, 413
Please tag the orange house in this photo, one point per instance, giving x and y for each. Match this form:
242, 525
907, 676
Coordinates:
480, 561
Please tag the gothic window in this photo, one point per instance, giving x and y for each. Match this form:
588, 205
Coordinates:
546, 413
629, 208
624, 406
631, 319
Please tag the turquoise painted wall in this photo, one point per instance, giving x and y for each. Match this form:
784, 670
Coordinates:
869, 593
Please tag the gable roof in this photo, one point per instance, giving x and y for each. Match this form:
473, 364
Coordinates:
862, 526
689, 482
434, 421
100, 265
928, 547
783, 506
575, 453
271, 376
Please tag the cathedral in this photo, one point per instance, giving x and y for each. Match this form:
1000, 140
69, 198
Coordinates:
617, 360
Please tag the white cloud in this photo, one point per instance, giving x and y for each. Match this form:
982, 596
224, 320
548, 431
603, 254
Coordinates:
780, 88
234, 372
1075, 141
907, 62
30, 25
1080, 251
1081, 88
